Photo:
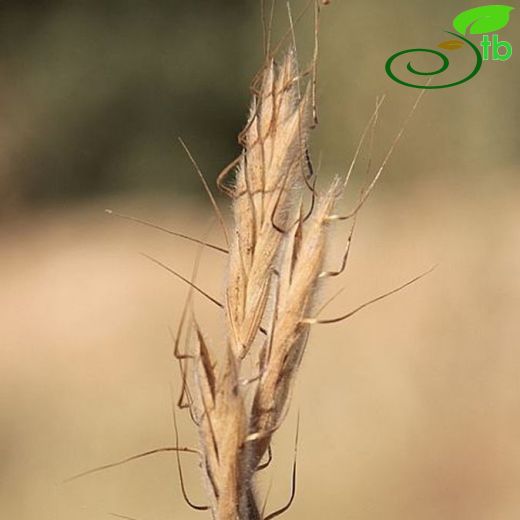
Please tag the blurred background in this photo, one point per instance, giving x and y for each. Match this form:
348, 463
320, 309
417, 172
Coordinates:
410, 410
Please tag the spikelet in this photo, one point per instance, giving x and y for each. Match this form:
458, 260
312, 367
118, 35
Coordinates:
238, 392
275, 259
267, 191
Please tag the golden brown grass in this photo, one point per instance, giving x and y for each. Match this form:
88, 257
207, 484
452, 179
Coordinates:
238, 391
276, 256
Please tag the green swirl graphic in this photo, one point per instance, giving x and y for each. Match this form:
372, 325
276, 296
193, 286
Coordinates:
442, 68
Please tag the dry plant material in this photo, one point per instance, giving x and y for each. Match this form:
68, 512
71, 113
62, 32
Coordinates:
239, 390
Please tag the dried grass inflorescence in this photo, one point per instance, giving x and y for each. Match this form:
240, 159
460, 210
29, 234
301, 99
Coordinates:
276, 254
238, 391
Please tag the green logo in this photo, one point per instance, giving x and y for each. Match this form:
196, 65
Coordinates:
479, 20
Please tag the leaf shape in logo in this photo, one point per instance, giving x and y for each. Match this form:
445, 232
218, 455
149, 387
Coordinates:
480, 20
451, 45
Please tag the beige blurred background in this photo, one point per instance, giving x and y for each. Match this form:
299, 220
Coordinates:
410, 410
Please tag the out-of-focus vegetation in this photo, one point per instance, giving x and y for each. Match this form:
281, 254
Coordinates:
94, 94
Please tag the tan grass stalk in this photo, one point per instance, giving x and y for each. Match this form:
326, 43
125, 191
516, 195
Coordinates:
276, 256
238, 392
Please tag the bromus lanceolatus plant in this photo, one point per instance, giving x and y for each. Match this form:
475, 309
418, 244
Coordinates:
237, 392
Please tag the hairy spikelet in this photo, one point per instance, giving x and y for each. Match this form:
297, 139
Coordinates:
237, 392
275, 260
298, 282
268, 182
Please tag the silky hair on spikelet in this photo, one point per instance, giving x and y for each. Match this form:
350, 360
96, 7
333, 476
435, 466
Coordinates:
275, 259
237, 391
